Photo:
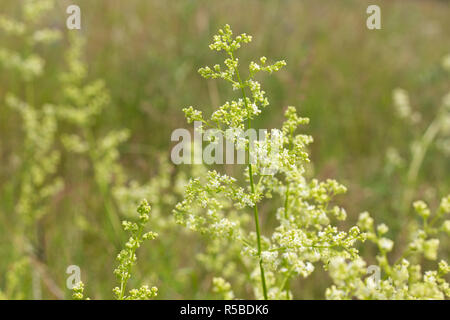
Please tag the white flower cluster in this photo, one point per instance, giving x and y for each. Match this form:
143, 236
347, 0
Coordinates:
404, 278
207, 200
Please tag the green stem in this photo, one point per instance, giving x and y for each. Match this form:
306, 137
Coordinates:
252, 186
285, 284
286, 202
417, 160
286, 197
258, 235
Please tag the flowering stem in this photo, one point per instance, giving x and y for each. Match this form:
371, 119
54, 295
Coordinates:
252, 186
124, 279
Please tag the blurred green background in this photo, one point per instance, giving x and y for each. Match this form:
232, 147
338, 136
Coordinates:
339, 74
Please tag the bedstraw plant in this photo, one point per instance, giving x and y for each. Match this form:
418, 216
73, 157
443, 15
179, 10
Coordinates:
35, 182
218, 206
127, 259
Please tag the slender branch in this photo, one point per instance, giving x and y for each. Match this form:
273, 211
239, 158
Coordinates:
417, 160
